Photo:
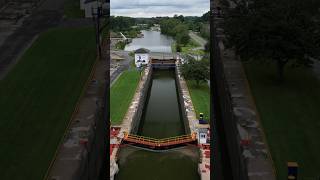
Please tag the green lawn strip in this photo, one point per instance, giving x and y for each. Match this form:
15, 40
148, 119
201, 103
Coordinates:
200, 97
188, 48
290, 117
121, 94
72, 9
38, 97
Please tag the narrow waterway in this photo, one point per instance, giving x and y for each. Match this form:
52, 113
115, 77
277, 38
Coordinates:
152, 40
161, 118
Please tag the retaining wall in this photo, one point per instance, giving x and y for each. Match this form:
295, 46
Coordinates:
248, 152
144, 92
181, 102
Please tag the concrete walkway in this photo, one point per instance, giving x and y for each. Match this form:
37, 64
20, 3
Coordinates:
202, 42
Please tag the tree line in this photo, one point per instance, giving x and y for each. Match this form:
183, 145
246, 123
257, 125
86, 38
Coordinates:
283, 32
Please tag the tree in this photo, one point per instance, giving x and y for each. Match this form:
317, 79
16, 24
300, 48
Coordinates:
183, 37
178, 48
283, 32
195, 70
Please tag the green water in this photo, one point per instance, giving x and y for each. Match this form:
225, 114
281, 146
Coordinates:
161, 118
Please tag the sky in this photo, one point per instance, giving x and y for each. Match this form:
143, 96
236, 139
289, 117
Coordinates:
153, 8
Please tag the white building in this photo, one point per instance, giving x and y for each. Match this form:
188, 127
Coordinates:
141, 56
203, 131
90, 6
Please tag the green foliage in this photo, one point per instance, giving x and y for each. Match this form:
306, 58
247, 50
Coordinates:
205, 31
174, 27
121, 94
131, 53
290, 117
183, 38
195, 70
200, 96
132, 33
168, 26
121, 23
206, 17
178, 48
37, 99
284, 31
121, 45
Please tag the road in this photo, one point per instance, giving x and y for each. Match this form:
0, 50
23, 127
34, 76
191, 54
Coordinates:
198, 39
123, 64
47, 15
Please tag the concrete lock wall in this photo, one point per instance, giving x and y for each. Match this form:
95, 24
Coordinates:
143, 97
248, 153
93, 159
181, 104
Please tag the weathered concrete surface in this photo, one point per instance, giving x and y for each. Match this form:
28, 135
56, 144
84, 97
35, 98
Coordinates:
83, 151
247, 139
191, 122
187, 105
182, 100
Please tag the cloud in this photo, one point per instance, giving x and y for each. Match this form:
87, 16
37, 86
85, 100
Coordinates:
152, 8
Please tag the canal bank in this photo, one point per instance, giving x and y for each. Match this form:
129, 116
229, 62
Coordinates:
164, 111
161, 118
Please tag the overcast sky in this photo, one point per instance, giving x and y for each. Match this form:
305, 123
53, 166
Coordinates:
153, 8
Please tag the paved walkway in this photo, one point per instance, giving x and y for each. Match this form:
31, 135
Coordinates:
202, 42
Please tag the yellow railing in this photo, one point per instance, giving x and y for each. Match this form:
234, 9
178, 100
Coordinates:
133, 137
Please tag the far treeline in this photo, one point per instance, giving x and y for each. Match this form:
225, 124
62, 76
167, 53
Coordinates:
283, 32
179, 26
169, 25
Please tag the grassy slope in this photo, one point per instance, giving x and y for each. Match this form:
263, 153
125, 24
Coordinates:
72, 9
37, 99
290, 115
122, 93
188, 48
200, 98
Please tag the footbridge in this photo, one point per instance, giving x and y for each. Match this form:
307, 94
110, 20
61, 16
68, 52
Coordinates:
159, 144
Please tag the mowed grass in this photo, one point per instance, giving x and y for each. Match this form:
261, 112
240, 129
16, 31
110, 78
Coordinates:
121, 94
37, 99
200, 97
290, 115
72, 9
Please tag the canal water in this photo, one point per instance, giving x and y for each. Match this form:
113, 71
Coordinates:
152, 40
161, 118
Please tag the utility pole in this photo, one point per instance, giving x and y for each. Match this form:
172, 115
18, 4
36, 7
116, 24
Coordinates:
98, 14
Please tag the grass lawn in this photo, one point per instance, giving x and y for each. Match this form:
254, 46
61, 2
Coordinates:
37, 99
200, 98
290, 115
188, 48
121, 94
72, 9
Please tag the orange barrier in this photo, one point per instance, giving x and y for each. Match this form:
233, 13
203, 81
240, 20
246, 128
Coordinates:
165, 142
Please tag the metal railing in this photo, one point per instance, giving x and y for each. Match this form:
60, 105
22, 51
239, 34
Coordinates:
159, 142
